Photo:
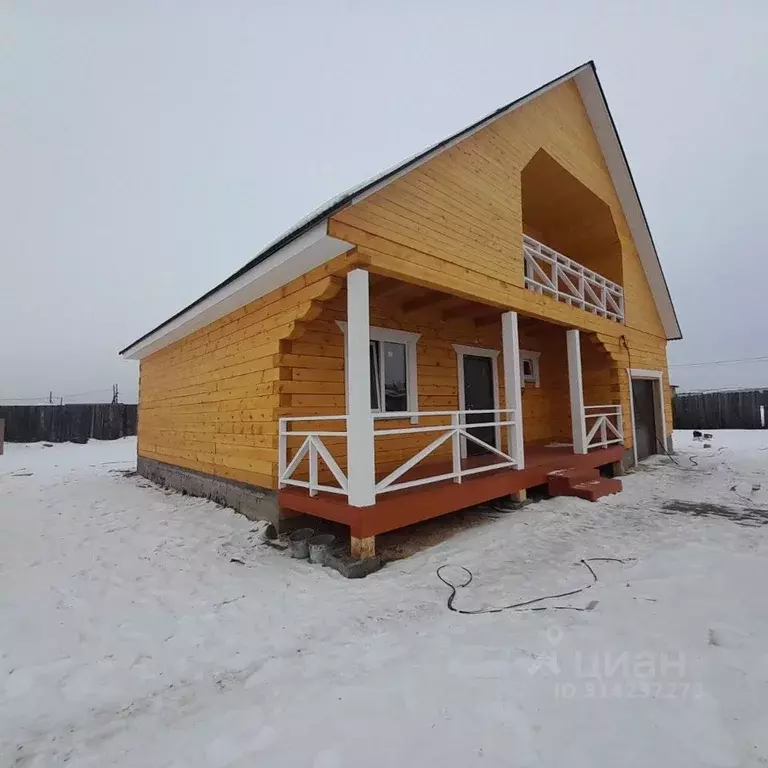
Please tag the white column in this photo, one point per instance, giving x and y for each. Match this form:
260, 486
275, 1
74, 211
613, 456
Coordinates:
510, 342
578, 425
361, 478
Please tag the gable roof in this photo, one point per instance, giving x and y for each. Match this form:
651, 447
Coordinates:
309, 230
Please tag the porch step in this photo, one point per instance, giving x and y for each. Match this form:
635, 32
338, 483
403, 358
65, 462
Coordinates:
592, 490
561, 481
584, 483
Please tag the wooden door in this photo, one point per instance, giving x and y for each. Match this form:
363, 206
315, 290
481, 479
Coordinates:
479, 396
644, 402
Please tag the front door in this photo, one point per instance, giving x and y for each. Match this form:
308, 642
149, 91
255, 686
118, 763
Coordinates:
644, 404
479, 396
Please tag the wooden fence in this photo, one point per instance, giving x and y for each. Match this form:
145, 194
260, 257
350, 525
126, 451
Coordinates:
75, 422
747, 409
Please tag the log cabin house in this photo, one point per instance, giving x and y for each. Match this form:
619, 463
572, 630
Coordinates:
487, 317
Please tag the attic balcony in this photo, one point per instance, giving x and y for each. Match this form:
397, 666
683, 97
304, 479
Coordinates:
571, 248
549, 272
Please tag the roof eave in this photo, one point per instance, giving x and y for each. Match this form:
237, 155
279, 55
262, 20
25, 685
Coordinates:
604, 126
307, 250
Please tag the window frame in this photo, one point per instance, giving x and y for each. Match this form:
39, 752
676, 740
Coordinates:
409, 340
533, 358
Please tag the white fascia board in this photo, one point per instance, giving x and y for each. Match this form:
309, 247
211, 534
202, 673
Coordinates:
312, 249
597, 111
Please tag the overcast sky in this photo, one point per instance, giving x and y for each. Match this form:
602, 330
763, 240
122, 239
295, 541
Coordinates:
149, 149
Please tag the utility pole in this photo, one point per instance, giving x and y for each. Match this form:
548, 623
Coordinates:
50, 397
114, 394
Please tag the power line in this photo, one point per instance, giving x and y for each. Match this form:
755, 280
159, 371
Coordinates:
49, 397
763, 359
90, 392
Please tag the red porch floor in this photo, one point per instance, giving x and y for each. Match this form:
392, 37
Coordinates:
400, 508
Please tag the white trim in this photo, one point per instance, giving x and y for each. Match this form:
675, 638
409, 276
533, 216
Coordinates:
513, 384
527, 354
661, 419
410, 340
361, 468
463, 349
576, 391
306, 252
600, 118
387, 334
493, 354
645, 373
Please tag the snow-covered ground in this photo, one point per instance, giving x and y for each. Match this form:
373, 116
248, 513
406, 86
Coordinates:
128, 638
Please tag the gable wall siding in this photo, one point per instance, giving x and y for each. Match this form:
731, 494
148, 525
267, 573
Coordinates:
455, 224
210, 401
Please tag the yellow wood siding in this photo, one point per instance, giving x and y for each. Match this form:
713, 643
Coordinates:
209, 402
455, 224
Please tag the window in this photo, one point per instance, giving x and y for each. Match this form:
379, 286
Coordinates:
392, 361
389, 376
529, 367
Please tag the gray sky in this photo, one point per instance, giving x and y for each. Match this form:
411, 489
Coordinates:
149, 149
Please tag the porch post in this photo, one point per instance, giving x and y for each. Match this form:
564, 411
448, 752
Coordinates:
361, 478
578, 423
510, 343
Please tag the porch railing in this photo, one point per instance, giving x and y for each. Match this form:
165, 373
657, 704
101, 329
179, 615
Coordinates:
455, 432
603, 425
312, 447
551, 273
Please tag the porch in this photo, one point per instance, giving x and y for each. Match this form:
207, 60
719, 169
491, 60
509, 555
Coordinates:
481, 482
420, 405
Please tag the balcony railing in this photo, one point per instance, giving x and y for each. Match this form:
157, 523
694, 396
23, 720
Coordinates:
409, 473
603, 425
551, 273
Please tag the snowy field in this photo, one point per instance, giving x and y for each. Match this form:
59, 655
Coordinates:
128, 638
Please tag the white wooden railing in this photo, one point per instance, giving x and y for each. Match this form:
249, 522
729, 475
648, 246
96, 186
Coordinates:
603, 425
456, 431
312, 447
551, 273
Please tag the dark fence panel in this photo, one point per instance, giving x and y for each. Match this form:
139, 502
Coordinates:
720, 410
75, 422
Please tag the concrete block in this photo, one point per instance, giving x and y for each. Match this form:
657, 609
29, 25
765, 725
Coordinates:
352, 568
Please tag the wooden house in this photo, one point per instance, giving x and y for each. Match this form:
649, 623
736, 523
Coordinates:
487, 317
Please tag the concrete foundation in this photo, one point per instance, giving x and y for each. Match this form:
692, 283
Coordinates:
617, 469
249, 500
628, 462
